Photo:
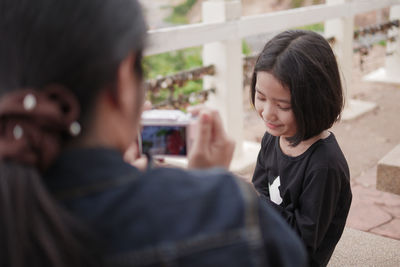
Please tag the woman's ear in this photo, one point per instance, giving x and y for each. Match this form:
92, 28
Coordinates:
128, 92
129, 98
118, 110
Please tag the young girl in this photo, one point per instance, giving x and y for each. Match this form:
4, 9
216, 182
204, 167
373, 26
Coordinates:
301, 170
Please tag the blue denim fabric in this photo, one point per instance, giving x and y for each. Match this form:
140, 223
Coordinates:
171, 217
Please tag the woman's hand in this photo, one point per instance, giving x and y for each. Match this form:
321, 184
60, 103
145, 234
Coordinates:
212, 147
132, 154
133, 157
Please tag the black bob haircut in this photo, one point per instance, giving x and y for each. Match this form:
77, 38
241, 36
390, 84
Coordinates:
303, 62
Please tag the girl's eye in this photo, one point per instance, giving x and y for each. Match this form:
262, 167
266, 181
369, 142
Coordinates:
284, 108
260, 97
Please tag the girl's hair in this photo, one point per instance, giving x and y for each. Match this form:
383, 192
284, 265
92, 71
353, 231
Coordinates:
303, 62
78, 44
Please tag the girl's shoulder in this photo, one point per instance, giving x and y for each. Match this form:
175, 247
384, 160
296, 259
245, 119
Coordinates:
328, 155
268, 139
327, 148
269, 144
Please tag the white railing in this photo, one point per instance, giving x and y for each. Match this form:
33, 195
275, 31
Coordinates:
179, 37
221, 33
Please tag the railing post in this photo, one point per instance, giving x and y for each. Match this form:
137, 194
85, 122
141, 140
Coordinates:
393, 48
343, 31
390, 73
226, 56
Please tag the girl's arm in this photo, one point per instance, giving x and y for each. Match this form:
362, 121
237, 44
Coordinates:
259, 179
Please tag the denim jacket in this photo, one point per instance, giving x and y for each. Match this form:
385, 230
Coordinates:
170, 217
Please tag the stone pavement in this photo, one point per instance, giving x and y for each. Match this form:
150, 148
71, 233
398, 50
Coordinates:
373, 211
357, 248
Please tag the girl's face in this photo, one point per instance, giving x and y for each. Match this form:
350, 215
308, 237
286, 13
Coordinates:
273, 103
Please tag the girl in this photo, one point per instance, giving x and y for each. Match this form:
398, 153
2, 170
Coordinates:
301, 170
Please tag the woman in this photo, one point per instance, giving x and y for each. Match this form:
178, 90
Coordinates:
70, 74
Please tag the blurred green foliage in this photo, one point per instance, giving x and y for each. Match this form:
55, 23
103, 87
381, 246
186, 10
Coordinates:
317, 27
172, 62
297, 3
317, 2
176, 61
300, 3
169, 63
246, 50
179, 12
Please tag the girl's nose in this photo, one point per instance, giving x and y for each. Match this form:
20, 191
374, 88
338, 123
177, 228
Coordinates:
268, 113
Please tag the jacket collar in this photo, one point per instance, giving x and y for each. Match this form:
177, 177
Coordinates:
84, 168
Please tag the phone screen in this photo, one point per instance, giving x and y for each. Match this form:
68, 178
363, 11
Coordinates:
164, 140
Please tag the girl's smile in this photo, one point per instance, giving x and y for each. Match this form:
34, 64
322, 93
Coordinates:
272, 126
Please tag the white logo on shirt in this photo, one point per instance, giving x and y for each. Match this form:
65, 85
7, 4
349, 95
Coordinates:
274, 193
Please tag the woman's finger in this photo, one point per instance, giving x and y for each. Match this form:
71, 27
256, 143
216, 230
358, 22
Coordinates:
195, 110
147, 105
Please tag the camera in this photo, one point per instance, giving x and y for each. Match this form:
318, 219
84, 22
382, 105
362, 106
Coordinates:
166, 132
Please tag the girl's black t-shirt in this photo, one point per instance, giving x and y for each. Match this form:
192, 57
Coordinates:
311, 191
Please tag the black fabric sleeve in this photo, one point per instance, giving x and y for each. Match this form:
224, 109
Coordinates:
283, 247
316, 206
259, 179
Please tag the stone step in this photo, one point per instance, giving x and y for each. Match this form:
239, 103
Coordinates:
357, 248
388, 173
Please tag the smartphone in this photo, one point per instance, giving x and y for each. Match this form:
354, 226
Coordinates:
166, 133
